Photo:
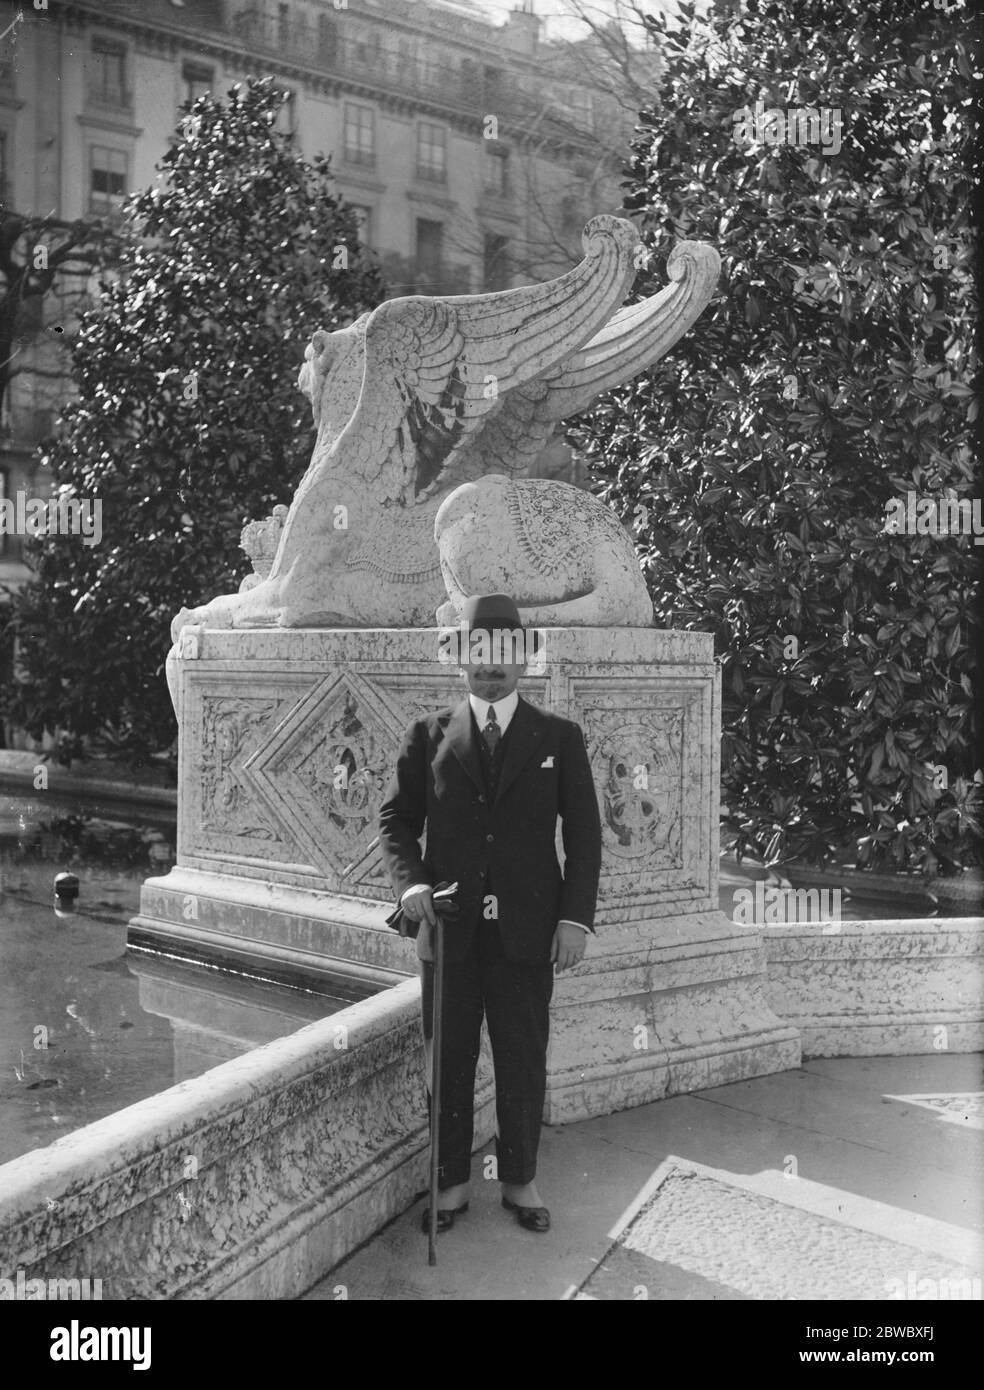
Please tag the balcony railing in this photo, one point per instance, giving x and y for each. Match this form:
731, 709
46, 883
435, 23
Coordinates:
109, 101
377, 63
353, 155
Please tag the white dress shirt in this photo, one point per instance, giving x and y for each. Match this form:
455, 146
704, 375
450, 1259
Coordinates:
504, 711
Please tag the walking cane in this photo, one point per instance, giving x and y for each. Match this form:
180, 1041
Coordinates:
444, 905
437, 1013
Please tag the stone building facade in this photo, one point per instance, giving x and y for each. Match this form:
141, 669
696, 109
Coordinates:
475, 151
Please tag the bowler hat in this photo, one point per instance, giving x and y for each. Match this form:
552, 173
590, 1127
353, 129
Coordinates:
496, 613
486, 612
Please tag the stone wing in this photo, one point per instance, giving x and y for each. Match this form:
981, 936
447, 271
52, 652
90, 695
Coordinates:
631, 341
435, 368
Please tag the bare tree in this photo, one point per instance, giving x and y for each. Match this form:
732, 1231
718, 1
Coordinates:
568, 141
617, 54
40, 256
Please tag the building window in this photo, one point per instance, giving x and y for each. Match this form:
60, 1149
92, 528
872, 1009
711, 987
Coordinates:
4, 190
327, 38
107, 76
430, 250
432, 72
360, 134
363, 218
107, 179
491, 86
283, 25
582, 106
496, 171
286, 121
196, 81
496, 262
469, 78
431, 152
367, 47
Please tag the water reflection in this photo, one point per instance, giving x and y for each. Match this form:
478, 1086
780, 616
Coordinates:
87, 1027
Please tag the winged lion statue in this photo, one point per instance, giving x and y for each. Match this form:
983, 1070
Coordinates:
429, 412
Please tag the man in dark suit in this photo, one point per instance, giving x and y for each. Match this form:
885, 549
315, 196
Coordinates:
488, 778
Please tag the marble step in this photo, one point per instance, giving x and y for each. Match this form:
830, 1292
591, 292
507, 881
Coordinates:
704, 1233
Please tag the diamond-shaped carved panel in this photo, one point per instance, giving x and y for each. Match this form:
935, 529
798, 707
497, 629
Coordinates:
324, 770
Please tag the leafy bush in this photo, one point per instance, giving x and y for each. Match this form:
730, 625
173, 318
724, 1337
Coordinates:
828, 377
188, 421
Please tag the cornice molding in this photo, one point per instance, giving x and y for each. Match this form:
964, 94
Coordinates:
432, 200
343, 177
239, 58
110, 123
156, 45
481, 48
487, 214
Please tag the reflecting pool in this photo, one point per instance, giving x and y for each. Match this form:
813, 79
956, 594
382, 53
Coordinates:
87, 1027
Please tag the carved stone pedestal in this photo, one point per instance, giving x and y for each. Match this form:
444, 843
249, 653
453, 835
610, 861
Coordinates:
288, 739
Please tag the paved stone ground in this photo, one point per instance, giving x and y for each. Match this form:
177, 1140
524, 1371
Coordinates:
848, 1178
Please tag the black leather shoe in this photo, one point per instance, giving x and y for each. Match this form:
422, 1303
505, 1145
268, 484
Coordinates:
445, 1219
530, 1218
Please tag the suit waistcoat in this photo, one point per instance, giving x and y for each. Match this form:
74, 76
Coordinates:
491, 765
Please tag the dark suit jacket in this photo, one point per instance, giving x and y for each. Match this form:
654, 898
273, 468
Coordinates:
545, 773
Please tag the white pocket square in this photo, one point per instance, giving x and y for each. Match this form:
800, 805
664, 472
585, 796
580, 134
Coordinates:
548, 762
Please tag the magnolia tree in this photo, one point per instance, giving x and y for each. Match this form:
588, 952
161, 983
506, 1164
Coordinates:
187, 423
798, 470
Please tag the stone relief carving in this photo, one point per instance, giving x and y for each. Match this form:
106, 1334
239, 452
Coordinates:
322, 769
231, 727
346, 771
299, 779
323, 762
639, 765
149, 1233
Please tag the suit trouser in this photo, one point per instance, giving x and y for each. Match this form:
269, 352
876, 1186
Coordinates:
515, 999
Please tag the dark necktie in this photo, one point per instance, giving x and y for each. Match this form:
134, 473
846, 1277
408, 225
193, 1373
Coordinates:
491, 733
